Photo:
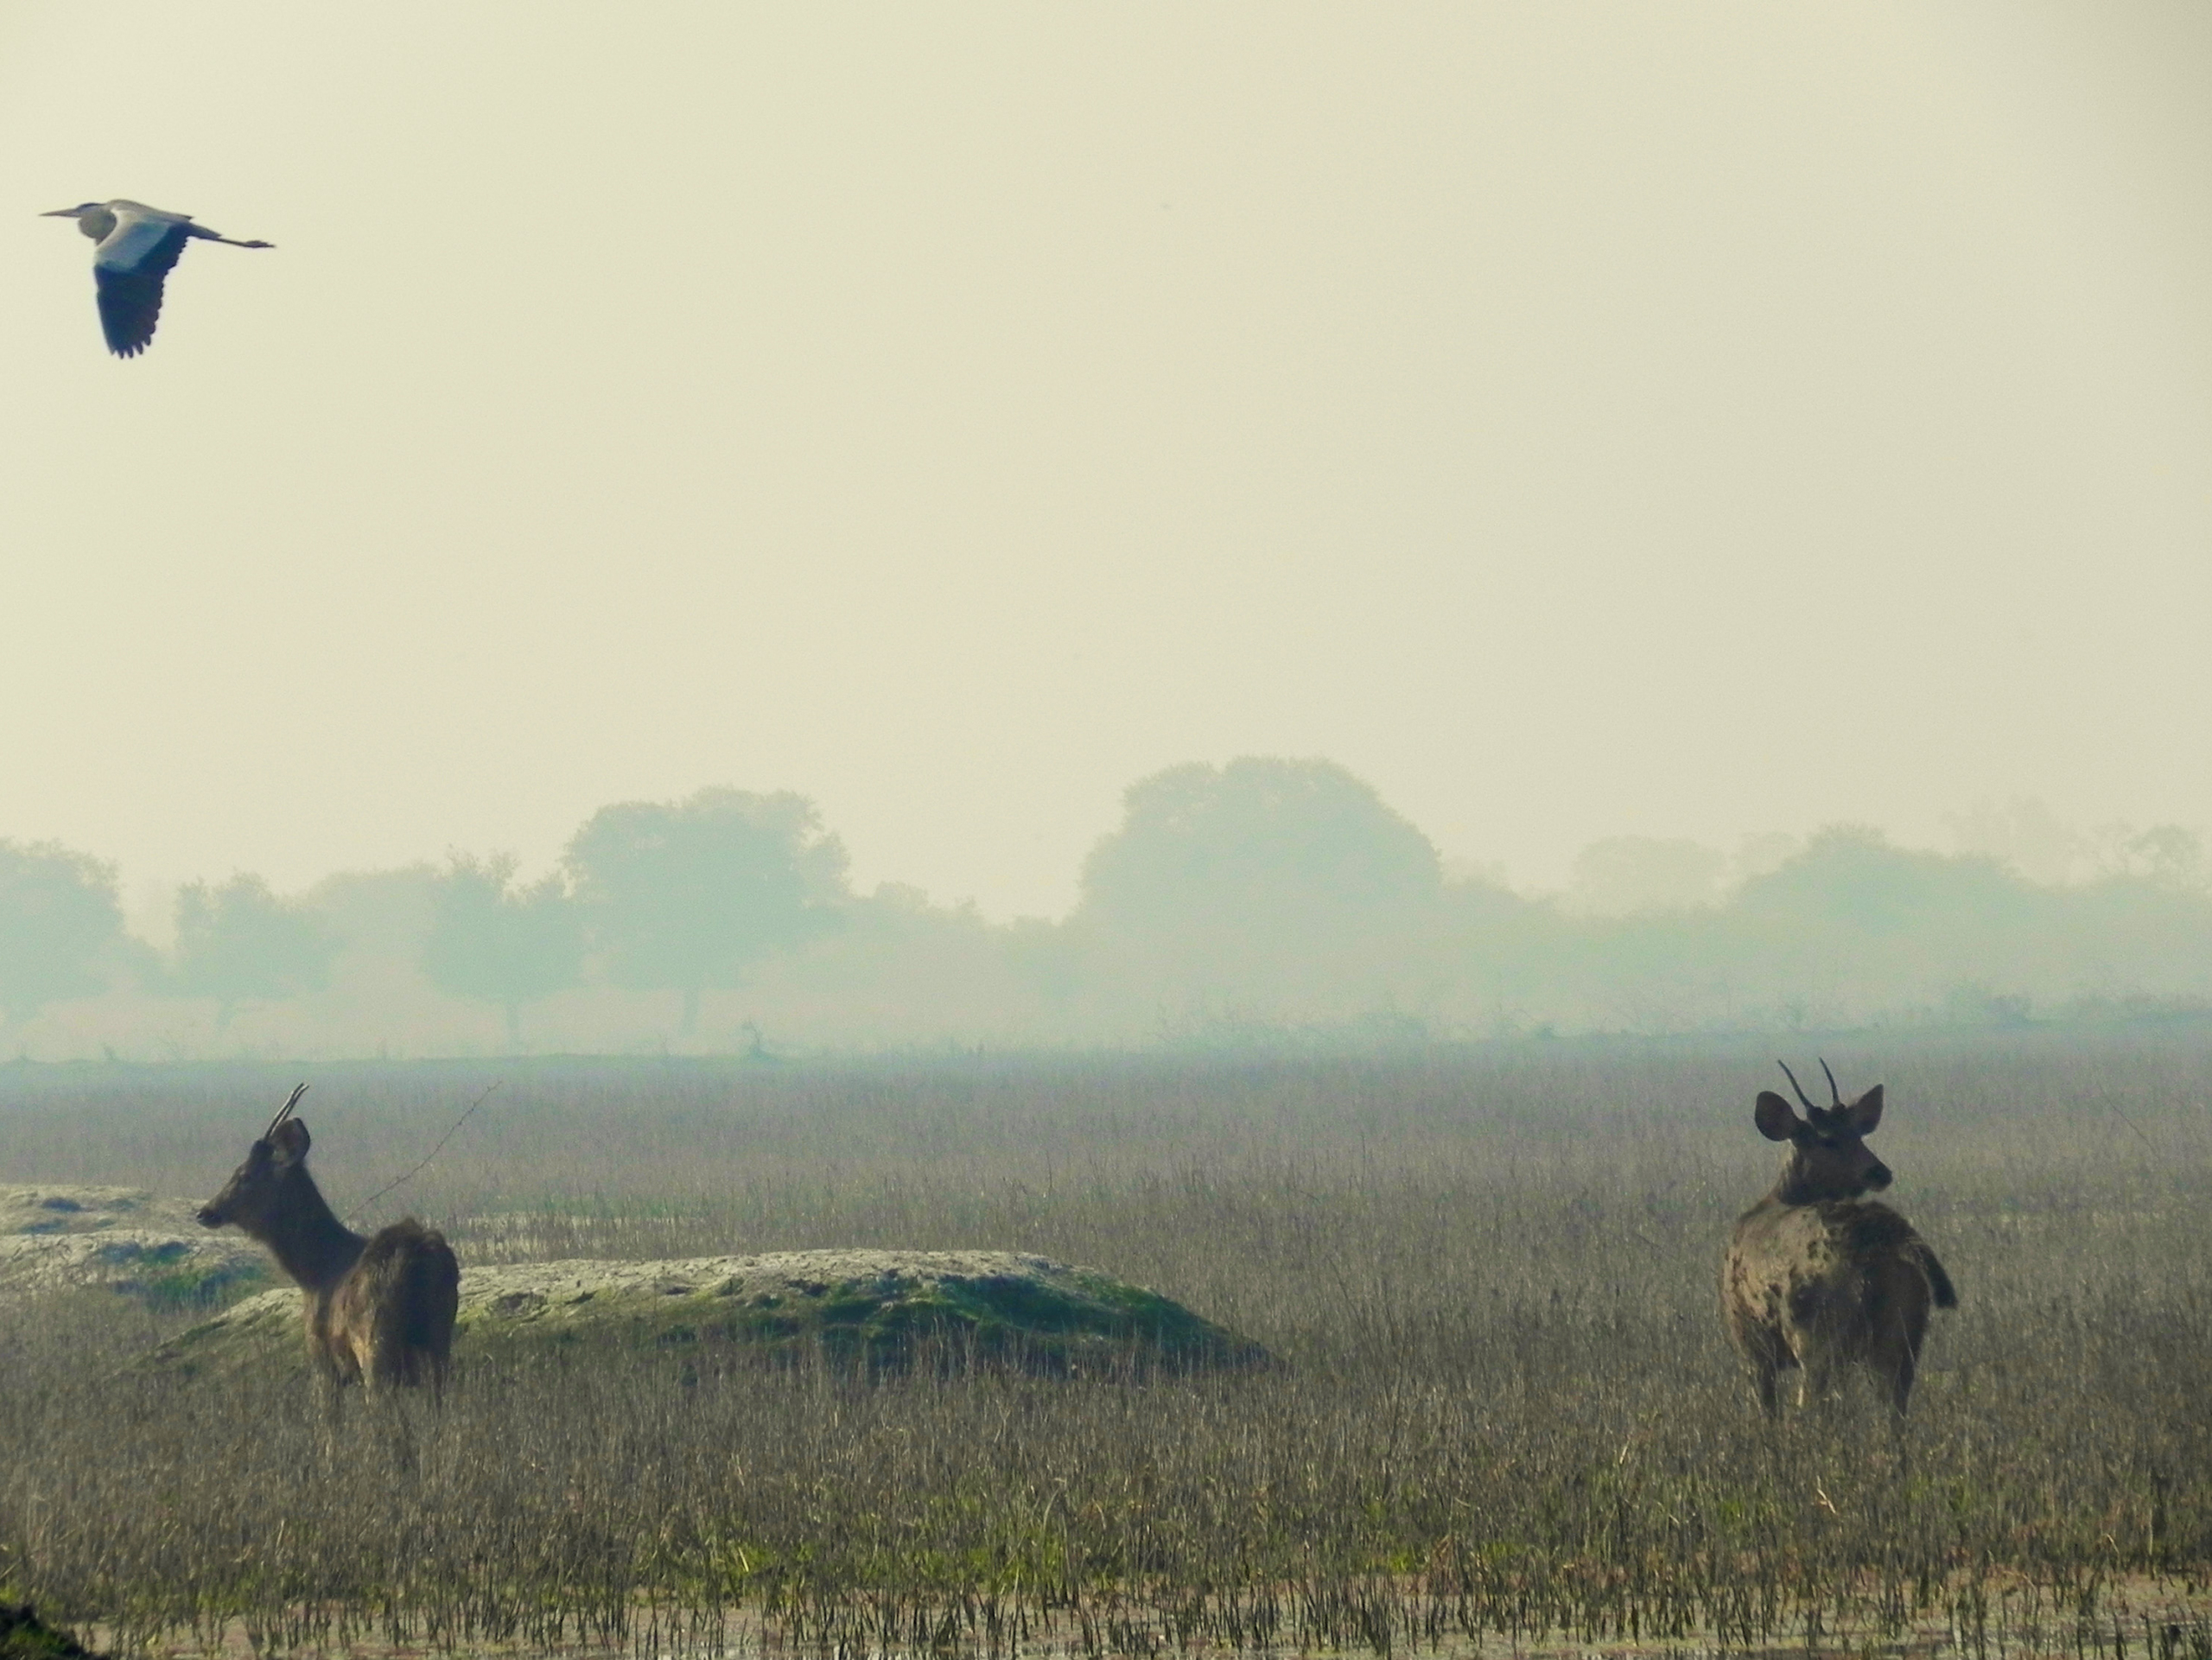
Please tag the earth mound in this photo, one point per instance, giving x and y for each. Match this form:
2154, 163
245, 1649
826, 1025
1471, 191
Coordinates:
52, 1238
24, 1636
866, 1310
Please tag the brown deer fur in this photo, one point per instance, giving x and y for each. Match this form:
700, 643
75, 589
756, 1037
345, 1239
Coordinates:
379, 1310
1819, 1278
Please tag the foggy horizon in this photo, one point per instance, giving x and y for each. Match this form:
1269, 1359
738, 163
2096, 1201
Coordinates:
2023, 834
1681, 424
1270, 900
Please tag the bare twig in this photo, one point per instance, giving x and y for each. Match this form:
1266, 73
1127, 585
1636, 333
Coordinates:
434, 1151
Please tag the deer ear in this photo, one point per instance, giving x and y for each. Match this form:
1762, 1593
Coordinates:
1866, 1111
1775, 1117
291, 1140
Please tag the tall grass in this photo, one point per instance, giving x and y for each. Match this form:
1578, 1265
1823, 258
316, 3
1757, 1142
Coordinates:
1507, 1410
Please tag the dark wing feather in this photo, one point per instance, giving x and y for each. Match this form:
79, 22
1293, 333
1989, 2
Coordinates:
130, 304
131, 295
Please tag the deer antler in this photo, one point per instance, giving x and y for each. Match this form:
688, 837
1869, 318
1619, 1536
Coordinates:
1832, 1090
285, 1111
1795, 1086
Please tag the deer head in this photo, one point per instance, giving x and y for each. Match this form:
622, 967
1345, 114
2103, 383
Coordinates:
1828, 1156
266, 1189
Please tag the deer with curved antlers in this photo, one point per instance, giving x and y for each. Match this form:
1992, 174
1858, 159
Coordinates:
1818, 1276
379, 1310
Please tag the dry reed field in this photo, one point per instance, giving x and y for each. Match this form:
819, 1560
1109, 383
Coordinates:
1506, 1416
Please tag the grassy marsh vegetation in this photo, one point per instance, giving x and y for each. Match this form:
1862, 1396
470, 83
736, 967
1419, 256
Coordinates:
1508, 1411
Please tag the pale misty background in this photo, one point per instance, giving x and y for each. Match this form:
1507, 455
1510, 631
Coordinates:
1597, 453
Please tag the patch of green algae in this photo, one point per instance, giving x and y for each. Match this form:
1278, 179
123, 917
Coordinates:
24, 1636
1021, 1314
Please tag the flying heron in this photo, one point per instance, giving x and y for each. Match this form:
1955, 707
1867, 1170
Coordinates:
138, 246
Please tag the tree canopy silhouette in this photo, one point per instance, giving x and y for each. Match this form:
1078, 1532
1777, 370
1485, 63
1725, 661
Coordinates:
1853, 875
1254, 850
239, 942
60, 926
684, 895
496, 943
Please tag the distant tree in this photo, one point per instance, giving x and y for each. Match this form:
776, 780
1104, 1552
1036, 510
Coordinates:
684, 895
1623, 874
2166, 854
61, 925
1256, 846
1853, 874
1048, 957
1234, 900
2026, 835
499, 944
238, 942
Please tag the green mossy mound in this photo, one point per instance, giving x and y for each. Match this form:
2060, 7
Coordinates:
23, 1635
865, 1311
57, 1237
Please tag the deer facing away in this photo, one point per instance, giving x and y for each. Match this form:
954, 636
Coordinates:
1818, 1276
379, 1310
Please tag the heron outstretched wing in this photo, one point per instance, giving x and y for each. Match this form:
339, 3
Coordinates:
127, 269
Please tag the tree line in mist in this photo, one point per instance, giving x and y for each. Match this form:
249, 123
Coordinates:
1264, 900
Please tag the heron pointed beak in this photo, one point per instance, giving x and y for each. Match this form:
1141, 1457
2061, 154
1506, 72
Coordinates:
60, 213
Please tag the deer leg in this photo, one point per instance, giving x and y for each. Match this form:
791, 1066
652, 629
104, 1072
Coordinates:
1897, 1358
399, 1432
1901, 1382
1899, 1314
1817, 1370
330, 1408
1762, 1379
384, 1377
1764, 1355
1766, 1369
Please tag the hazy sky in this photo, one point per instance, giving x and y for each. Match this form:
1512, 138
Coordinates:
1579, 420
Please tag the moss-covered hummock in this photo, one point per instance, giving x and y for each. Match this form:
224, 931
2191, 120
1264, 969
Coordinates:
24, 1636
58, 1238
871, 1310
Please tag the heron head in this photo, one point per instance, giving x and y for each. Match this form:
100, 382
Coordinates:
94, 218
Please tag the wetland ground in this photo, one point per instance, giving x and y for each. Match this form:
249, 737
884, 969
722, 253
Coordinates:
1506, 1417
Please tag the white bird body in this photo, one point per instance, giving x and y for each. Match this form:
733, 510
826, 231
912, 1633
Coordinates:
136, 247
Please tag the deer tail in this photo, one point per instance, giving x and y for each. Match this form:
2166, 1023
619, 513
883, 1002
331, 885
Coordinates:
434, 1278
411, 1282
1939, 1282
